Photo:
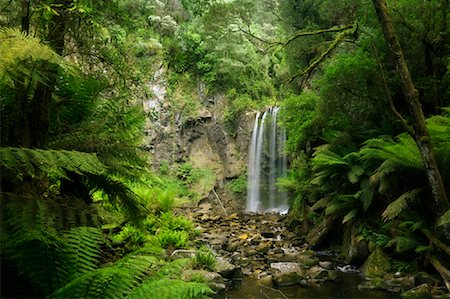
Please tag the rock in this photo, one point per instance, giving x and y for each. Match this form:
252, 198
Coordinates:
321, 274
182, 253
376, 265
399, 284
286, 274
424, 277
320, 231
357, 250
224, 267
268, 234
212, 279
421, 291
372, 284
326, 264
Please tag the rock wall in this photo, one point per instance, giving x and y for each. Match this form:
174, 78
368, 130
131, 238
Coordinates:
174, 136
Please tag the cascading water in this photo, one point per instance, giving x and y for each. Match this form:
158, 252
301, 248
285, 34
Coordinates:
267, 163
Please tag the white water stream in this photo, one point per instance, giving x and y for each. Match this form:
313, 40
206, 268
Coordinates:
267, 163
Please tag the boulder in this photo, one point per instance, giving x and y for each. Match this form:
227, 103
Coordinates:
182, 254
376, 265
286, 274
424, 277
318, 273
326, 264
421, 291
212, 279
224, 267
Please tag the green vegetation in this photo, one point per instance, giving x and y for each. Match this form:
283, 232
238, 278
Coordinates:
83, 214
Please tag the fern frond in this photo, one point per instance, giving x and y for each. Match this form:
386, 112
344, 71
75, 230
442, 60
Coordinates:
403, 152
114, 281
21, 214
400, 204
119, 195
83, 249
350, 216
168, 289
40, 255
32, 162
17, 47
327, 158
379, 176
444, 219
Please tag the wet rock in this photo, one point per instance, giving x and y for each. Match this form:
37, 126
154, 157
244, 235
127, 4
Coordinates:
372, 284
421, 291
212, 279
399, 284
376, 264
286, 274
224, 267
326, 264
423, 277
321, 274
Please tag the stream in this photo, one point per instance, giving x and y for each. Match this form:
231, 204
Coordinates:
344, 287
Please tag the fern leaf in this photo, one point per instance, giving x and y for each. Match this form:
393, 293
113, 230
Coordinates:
28, 161
350, 216
355, 172
168, 289
17, 47
403, 152
400, 204
83, 249
444, 219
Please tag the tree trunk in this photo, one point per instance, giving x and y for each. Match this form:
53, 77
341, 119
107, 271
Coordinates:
421, 135
39, 118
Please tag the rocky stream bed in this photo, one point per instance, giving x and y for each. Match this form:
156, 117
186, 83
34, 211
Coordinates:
259, 251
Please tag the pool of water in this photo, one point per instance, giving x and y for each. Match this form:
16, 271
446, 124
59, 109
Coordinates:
346, 286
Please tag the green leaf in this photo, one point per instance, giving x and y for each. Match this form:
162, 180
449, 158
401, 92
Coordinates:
350, 216
444, 219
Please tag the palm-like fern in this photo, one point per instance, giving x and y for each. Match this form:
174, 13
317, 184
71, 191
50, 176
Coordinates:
17, 48
33, 162
403, 152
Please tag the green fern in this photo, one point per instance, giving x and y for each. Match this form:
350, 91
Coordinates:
403, 152
32, 162
444, 219
168, 289
114, 281
400, 204
83, 250
15, 48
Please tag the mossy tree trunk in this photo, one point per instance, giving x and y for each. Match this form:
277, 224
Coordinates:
420, 134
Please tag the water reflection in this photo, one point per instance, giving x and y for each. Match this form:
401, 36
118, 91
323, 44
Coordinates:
344, 287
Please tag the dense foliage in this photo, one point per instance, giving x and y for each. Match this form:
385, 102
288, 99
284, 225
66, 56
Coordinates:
82, 215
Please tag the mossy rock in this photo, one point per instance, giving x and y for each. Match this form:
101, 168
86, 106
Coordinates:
376, 265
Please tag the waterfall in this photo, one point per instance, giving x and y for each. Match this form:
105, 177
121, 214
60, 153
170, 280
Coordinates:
267, 162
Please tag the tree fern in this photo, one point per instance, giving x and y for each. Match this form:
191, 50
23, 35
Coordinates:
33, 162
403, 152
17, 47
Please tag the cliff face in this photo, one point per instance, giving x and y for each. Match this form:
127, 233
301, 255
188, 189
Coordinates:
193, 131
